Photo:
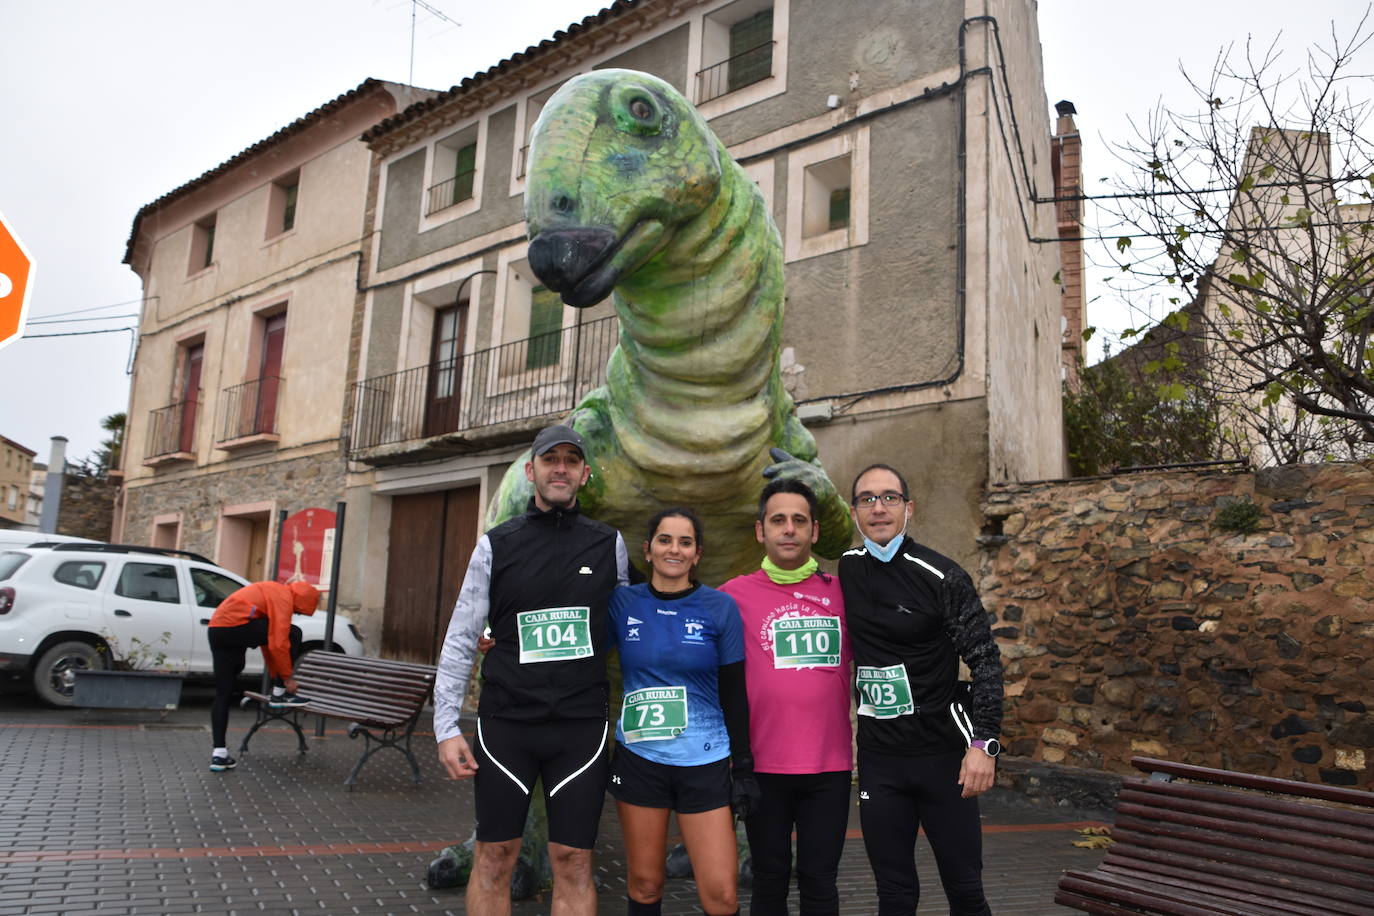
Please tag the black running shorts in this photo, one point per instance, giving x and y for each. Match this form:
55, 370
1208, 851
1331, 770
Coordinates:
636, 780
568, 755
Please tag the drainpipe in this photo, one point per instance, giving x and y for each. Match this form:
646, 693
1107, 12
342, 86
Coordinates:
52, 487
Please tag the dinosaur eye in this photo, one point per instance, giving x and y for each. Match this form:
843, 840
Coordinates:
637, 111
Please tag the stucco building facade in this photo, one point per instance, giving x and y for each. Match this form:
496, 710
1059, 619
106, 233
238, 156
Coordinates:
904, 150
250, 280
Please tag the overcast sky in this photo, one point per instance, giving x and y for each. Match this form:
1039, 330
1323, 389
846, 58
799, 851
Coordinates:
108, 106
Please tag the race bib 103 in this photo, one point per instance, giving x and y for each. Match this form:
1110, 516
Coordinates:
554, 634
654, 714
884, 693
806, 642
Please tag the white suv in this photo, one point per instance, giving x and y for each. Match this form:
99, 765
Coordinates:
68, 606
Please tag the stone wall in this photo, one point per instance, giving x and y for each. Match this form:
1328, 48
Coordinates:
87, 509
1130, 624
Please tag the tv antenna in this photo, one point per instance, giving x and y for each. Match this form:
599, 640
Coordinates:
415, 7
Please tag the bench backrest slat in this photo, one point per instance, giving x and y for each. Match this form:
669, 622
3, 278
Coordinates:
1250, 804
1205, 845
377, 690
1134, 895
1250, 781
1245, 899
1231, 819
1301, 891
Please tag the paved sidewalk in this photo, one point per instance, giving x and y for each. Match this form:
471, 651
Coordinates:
115, 812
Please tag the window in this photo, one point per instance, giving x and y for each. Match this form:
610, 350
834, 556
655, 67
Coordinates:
202, 245
81, 573
546, 328
281, 204
149, 582
827, 196
13, 500
751, 51
211, 587
454, 176
740, 50
269, 374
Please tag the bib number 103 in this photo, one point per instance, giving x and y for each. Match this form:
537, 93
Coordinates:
884, 693
554, 634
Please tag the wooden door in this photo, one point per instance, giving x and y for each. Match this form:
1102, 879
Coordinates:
432, 537
444, 392
190, 397
269, 374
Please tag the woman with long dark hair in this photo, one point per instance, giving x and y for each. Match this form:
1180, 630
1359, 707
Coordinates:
682, 741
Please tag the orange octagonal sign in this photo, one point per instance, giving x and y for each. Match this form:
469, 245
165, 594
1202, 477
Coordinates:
16, 279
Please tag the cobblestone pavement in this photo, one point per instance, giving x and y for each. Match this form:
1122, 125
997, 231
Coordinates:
115, 812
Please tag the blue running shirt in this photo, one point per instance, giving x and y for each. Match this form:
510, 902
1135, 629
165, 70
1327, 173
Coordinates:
670, 653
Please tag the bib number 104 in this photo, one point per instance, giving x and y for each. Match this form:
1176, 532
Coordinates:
554, 634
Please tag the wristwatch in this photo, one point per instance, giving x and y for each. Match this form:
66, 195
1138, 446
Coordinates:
990, 746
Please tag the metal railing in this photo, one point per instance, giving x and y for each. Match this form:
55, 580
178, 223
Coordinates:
535, 377
446, 194
748, 67
249, 409
171, 429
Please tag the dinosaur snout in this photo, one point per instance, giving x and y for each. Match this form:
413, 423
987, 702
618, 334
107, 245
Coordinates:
571, 262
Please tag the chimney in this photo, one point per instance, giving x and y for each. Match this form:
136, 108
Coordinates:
52, 488
1066, 165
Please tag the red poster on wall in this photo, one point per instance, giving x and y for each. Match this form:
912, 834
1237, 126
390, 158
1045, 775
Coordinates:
307, 548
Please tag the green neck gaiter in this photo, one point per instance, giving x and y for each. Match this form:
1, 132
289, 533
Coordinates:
789, 576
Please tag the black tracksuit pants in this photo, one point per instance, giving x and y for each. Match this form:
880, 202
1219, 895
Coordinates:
229, 648
897, 797
817, 805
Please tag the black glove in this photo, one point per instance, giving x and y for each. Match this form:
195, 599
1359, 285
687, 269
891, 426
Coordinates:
745, 793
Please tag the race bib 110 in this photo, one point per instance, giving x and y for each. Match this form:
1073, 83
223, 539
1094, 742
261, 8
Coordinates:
806, 642
554, 634
654, 714
884, 693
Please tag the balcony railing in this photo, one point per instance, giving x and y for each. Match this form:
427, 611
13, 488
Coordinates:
535, 377
249, 409
171, 430
743, 69
445, 194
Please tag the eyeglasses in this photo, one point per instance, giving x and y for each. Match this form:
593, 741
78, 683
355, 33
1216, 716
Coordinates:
889, 499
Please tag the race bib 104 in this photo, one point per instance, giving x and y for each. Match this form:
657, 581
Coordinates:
654, 714
554, 634
806, 642
884, 693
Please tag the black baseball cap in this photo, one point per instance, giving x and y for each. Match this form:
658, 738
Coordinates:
550, 436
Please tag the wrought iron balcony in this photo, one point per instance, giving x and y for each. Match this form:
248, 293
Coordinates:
743, 69
446, 194
249, 411
539, 376
172, 432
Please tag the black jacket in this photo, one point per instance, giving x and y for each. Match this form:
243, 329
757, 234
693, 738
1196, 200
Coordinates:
921, 610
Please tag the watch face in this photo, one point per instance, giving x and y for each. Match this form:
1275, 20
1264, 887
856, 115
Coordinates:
992, 747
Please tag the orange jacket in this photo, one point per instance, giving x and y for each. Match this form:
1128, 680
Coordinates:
277, 602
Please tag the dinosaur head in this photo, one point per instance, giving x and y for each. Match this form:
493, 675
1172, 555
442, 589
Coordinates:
618, 160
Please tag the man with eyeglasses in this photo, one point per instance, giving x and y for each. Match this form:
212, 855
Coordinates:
927, 743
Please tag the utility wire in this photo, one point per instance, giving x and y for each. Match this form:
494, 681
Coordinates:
72, 320
100, 307
74, 333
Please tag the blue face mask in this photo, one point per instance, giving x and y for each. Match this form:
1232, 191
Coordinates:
885, 554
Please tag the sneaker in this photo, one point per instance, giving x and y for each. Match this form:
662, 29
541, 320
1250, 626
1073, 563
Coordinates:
288, 699
220, 764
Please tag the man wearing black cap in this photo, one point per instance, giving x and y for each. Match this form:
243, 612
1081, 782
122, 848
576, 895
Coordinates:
542, 582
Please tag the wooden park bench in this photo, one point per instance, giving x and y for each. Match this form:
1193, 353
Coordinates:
380, 698
1233, 843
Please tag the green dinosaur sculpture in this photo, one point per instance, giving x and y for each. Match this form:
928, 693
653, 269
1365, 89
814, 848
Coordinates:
630, 194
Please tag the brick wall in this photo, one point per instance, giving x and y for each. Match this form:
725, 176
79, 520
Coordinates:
1130, 624
87, 509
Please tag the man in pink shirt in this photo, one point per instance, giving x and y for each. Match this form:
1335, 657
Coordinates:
797, 672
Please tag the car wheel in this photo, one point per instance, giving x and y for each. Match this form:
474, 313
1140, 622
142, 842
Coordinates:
53, 678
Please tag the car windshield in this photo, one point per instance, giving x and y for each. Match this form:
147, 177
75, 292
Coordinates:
11, 560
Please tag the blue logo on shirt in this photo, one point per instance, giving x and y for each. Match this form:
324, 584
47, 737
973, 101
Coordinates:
694, 631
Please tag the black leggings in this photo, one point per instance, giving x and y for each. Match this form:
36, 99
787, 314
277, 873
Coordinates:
229, 648
818, 805
898, 795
